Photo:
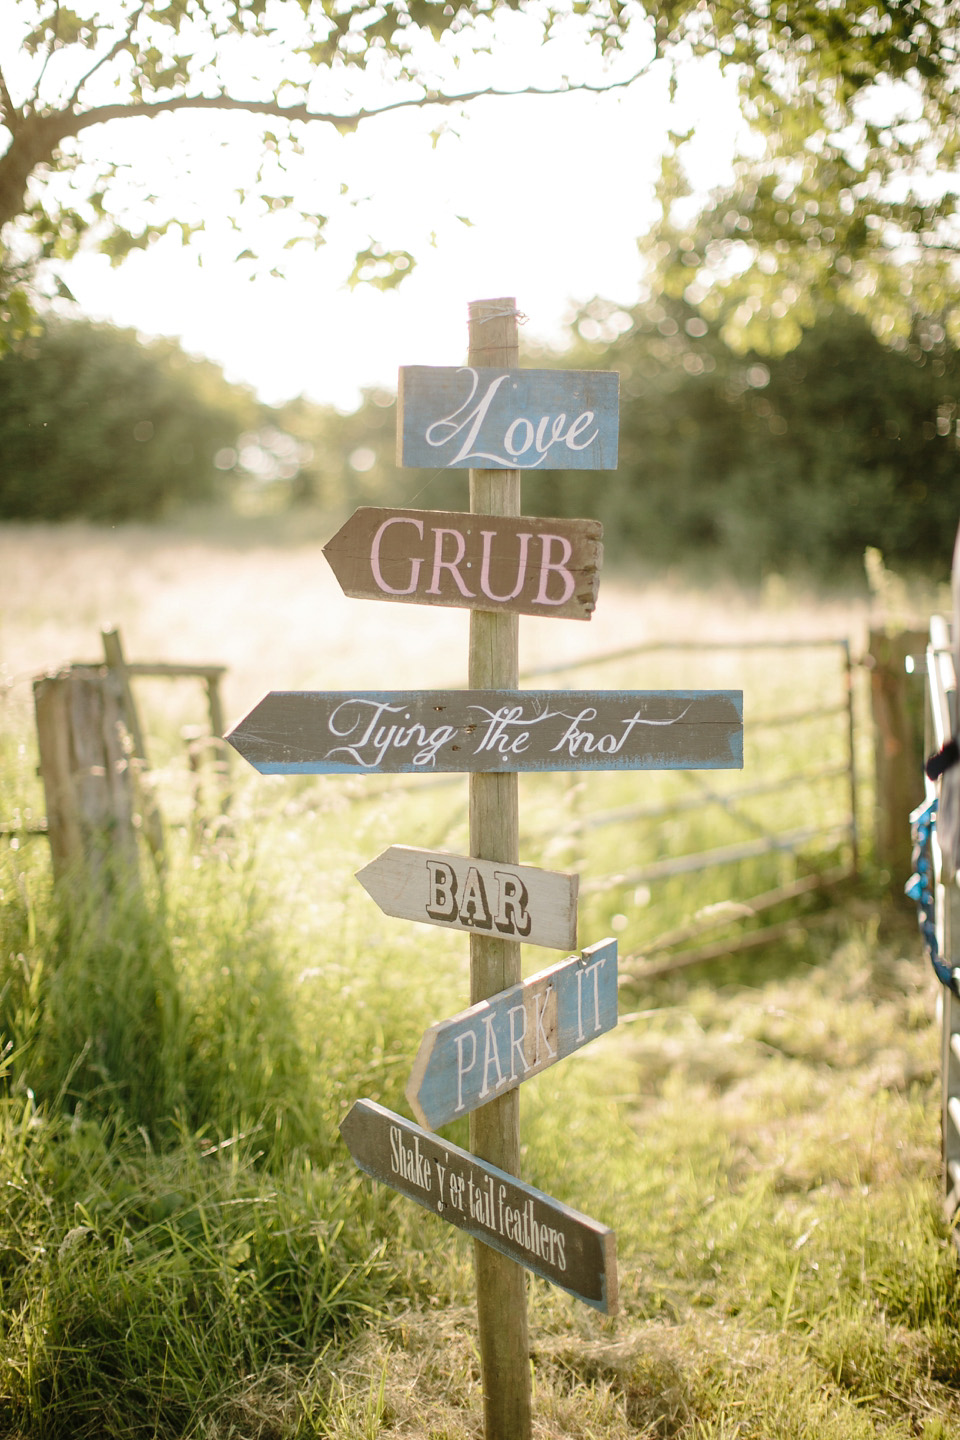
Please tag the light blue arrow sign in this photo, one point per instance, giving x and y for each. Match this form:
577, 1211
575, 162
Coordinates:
494, 1046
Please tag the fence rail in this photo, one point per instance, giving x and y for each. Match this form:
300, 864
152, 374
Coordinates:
822, 853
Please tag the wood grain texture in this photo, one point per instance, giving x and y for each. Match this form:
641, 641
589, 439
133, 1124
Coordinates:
528, 565
516, 902
477, 731
497, 1044
494, 662
500, 418
87, 779
515, 1220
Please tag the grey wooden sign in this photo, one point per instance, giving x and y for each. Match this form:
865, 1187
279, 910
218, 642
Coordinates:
514, 902
546, 1236
319, 732
461, 417
494, 1046
523, 564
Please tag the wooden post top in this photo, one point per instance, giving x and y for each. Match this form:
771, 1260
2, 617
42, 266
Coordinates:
492, 330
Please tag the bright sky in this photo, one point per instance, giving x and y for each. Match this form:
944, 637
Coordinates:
555, 190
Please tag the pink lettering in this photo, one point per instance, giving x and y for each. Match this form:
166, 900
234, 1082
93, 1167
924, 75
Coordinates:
558, 567
440, 564
488, 538
375, 555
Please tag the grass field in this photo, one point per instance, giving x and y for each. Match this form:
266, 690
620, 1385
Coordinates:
186, 1250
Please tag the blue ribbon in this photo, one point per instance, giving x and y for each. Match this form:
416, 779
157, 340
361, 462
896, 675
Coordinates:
919, 888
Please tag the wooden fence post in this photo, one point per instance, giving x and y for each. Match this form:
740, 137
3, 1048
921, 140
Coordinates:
495, 963
898, 746
85, 751
150, 813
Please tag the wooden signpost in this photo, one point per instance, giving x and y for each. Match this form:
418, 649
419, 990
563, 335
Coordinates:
318, 732
521, 1223
497, 420
479, 562
519, 902
466, 417
497, 1044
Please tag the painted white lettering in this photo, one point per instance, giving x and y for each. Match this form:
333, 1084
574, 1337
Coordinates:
579, 425
516, 1041
595, 972
463, 1069
467, 421
539, 1014
435, 435
510, 439
370, 746
573, 737
495, 736
491, 1056
555, 434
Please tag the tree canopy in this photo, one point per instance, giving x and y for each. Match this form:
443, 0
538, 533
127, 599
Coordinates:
296, 63
94, 423
847, 194
845, 190
764, 463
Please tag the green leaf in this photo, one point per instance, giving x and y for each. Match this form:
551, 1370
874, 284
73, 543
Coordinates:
383, 269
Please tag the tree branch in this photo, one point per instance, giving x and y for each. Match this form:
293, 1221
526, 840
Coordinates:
10, 113
74, 123
109, 54
46, 58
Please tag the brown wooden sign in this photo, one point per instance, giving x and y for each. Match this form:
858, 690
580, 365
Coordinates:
320, 732
527, 565
546, 1236
514, 902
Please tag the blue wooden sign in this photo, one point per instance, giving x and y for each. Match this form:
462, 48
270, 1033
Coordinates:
543, 1234
461, 417
494, 1046
321, 732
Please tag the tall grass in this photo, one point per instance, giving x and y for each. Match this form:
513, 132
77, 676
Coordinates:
186, 1249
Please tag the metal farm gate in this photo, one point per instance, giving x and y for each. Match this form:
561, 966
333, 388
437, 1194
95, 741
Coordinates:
690, 866
937, 891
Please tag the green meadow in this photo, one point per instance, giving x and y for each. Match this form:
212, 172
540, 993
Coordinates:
186, 1248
